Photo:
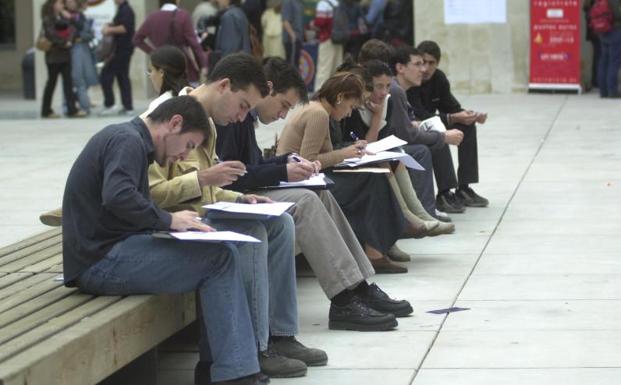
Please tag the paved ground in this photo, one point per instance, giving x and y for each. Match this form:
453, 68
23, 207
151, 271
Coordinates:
540, 269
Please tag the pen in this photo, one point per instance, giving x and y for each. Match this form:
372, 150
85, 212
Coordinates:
353, 136
296, 158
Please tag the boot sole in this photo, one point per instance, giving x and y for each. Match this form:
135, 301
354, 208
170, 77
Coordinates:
343, 325
297, 373
406, 311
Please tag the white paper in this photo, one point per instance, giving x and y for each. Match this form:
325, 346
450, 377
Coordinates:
213, 236
385, 144
406, 159
433, 124
272, 209
475, 11
313, 181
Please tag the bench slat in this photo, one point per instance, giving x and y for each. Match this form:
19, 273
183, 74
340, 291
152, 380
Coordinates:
99, 345
38, 247
34, 305
54, 326
19, 263
9, 279
26, 290
58, 268
43, 265
54, 233
12, 332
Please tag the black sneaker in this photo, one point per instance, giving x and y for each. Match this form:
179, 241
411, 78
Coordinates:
449, 203
276, 365
470, 198
378, 300
294, 349
357, 315
202, 376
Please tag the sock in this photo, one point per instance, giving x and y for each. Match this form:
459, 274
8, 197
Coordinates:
343, 298
362, 288
444, 192
464, 187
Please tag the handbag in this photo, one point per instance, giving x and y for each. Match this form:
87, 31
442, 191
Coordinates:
43, 43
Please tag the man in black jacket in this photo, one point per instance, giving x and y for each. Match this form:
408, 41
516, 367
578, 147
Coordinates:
322, 231
433, 97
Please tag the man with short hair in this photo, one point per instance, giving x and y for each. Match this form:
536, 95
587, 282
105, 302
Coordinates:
433, 97
233, 87
322, 230
108, 218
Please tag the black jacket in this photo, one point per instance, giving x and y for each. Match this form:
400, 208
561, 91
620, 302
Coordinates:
434, 96
237, 141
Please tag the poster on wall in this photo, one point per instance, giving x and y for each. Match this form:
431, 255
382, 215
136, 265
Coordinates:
555, 45
475, 11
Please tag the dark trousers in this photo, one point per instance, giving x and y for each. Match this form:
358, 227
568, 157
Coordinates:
610, 62
53, 70
468, 171
293, 52
422, 180
117, 67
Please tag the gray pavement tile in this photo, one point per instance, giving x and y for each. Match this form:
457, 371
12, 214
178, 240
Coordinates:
554, 243
542, 287
535, 315
525, 349
577, 376
549, 264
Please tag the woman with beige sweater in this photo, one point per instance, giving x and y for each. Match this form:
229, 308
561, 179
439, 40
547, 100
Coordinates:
366, 198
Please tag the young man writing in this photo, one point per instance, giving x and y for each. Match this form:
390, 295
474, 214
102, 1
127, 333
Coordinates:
108, 218
233, 87
322, 230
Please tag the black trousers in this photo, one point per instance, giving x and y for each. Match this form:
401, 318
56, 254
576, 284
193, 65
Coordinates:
422, 180
53, 70
293, 52
117, 67
468, 156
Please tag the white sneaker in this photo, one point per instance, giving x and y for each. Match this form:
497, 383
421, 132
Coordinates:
127, 112
108, 111
442, 216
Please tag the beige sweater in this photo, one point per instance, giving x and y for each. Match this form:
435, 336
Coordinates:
308, 133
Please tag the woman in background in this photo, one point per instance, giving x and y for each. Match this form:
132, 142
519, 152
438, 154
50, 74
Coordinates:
58, 30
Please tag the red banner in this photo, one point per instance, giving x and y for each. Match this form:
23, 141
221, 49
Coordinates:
555, 44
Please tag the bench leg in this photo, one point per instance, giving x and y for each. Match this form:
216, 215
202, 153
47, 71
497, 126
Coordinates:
141, 371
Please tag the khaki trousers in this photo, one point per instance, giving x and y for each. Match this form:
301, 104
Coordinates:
325, 237
329, 57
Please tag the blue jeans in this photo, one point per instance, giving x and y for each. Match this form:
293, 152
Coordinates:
268, 271
142, 264
609, 64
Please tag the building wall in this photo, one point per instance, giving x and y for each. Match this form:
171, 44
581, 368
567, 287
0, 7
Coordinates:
10, 60
479, 58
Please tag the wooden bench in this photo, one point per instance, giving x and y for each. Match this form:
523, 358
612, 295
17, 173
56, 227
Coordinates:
50, 334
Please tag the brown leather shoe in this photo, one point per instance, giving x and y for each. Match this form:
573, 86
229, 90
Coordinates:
386, 266
52, 218
417, 231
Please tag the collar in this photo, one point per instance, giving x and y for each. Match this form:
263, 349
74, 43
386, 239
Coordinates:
139, 125
169, 7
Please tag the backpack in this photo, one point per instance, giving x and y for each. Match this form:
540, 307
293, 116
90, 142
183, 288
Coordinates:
601, 17
340, 25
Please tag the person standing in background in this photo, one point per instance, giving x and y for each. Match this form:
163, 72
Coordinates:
233, 33
330, 54
271, 22
293, 29
171, 25
207, 8
83, 70
122, 28
610, 61
57, 29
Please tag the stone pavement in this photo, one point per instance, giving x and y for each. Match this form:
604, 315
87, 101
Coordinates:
540, 269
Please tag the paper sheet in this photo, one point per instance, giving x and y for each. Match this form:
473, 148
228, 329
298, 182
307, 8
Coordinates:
317, 180
272, 209
385, 144
475, 11
214, 236
406, 159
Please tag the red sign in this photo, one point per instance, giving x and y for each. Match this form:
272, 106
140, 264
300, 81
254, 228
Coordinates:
555, 44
